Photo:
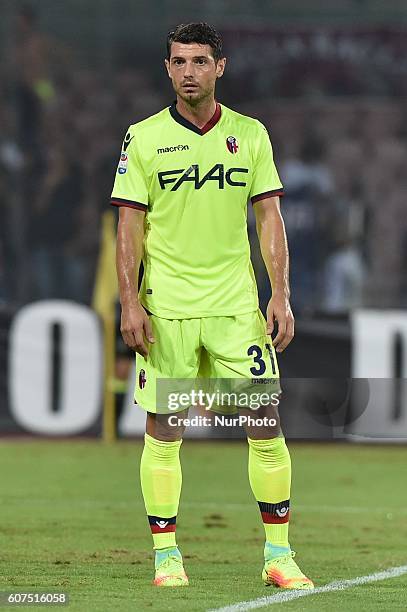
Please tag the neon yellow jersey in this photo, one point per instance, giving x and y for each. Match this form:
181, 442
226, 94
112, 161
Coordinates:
194, 185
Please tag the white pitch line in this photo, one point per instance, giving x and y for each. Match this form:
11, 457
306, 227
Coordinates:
339, 585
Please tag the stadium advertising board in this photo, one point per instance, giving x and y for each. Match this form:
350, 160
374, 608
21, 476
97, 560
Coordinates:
53, 373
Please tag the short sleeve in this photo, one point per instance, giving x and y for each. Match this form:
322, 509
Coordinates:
266, 182
130, 185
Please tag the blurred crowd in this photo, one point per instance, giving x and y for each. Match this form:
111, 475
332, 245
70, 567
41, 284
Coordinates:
343, 168
62, 130
342, 162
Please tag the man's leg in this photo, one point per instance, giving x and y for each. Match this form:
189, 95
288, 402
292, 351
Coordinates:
172, 359
270, 475
270, 481
161, 477
161, 480
240, 352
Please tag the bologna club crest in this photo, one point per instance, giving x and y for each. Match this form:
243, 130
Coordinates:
142, 379
231, 144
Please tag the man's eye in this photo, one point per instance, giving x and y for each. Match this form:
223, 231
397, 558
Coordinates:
200, 61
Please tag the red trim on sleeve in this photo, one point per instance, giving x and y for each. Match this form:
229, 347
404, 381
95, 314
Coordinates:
267, 194
128, 203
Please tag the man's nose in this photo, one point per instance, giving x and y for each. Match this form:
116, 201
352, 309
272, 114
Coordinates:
189, 71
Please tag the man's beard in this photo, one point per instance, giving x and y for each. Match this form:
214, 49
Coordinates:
194, 100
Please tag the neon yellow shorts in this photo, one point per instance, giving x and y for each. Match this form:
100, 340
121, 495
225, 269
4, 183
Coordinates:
228, 353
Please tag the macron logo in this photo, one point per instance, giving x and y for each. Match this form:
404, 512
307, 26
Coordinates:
162, 524
172, 149
283, 512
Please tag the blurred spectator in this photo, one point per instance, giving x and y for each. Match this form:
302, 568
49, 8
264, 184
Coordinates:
344, 270
308, 185
343, 280
33, 85
58, 269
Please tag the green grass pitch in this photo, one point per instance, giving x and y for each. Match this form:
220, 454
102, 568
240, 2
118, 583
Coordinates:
72, 519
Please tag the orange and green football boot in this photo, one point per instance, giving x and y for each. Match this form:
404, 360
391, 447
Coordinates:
169, 570
282, 571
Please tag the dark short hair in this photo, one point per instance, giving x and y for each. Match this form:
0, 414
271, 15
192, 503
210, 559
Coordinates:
201, 33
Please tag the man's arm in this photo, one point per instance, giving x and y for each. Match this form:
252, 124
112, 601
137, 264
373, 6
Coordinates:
135, 323
274, 250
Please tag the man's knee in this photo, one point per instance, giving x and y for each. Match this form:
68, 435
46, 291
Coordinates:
158, 426
263, 423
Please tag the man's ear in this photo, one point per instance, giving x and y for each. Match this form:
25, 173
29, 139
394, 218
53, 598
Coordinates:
220, 67
167, 65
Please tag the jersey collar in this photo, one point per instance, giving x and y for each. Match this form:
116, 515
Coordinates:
190, 126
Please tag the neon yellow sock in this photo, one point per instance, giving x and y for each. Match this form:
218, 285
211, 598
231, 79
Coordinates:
270, 480
161, 480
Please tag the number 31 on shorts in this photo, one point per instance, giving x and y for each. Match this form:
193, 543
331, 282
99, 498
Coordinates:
259, 364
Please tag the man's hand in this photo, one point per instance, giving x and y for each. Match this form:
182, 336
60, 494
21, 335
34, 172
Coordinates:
279, 310
135, 328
